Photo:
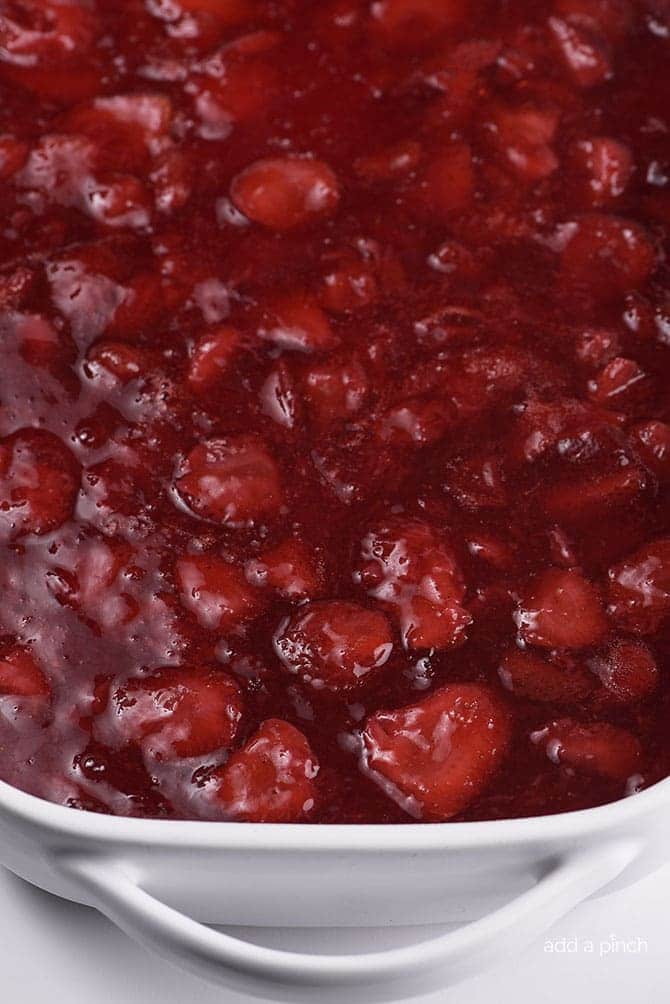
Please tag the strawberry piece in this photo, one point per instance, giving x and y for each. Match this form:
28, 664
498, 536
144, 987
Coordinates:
584, 499
416, 422
612, 18
270, 780
435, 757
334, 644
455, 260
544, 428
176, 712
216, 592
283, 193
559, 681
653, 442
93, 579
414, 573
39, 343
348, 287
639, 588
119, 201
236, 88
13, 155
20, 675
335, 389
211, 358
123, 361
595, 748
230, 480
584, 54
525, 136
597, 347
603, 168
289, 568
278, 396
172, 180
44, 32
39, 481
619, 384
561, 609
296, 323
142, 306
125, 128
58, 167
627, 670
607, 256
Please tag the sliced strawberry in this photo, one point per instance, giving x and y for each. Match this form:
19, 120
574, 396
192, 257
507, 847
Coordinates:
235, 89
39, 481
607, 256
410, 569
418, 421
584, 53
13, 155
335, 389
334, 644
120, 360
216, 591
639, 588
21, 676
433, 758
125, 128
524, 136
611, 17
270, 780
285, 192
278, 396
172, 176
212, 355
597, 347
560, 681
627, 669
594, 748
348, 286
584, 499
603, 168
620, 384
230, 480
653, 442
561, 609
92, 579
290, 569
296, 323
175, 712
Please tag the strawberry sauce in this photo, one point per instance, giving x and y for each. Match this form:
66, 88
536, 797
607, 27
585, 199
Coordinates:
334, 406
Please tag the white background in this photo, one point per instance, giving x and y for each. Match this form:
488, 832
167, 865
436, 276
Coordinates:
52, 951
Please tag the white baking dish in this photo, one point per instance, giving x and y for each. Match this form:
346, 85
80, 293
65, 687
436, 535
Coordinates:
505, 882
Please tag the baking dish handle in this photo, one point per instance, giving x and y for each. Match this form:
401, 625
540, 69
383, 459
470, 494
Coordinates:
378, 976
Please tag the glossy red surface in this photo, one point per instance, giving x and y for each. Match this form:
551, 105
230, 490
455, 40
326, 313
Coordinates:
334, 406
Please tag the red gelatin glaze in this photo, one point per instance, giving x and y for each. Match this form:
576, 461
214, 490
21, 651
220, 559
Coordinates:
334, 406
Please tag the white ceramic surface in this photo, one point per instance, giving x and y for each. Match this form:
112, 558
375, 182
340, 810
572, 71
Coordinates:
505, 882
